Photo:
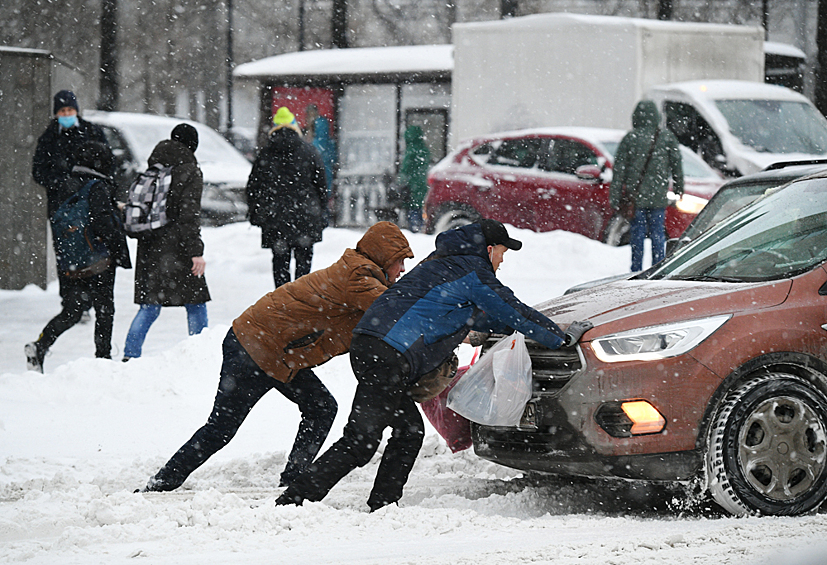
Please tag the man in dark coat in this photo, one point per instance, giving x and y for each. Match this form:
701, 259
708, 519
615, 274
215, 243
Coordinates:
647, 160
407, 332
169, 270
56, 155
93, 163
57, 147
287, 197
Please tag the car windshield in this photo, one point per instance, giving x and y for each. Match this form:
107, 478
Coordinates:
726, 202
777, 236
776, 126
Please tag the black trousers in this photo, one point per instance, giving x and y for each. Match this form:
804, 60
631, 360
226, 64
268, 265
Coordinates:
77, 295
241, 386
281, 262
381, 401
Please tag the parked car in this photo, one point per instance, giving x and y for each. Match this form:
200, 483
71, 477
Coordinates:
133, 137
710, 367
548, 179
741, 127
731, 197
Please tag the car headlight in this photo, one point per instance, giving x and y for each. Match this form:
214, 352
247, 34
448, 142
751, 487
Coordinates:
656, 342
689, 204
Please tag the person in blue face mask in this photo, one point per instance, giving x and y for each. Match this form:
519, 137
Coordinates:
58, 145
56, 155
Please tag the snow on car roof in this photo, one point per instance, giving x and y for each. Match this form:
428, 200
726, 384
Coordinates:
593, 135
731, 89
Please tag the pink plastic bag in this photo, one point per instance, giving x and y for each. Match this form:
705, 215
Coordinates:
455, 429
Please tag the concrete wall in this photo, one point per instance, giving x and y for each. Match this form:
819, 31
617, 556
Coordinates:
25, 83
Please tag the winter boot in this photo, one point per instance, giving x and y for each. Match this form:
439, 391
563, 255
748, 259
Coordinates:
156, 485
35, 353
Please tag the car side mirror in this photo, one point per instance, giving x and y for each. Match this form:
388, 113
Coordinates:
588, 172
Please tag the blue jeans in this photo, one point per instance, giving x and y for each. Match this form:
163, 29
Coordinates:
647, 221
146, 316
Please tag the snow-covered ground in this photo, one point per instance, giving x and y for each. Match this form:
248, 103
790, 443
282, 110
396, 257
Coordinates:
76, 441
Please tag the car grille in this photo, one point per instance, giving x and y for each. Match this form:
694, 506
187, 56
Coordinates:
551, 368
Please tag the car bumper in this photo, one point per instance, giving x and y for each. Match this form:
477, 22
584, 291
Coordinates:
562, 433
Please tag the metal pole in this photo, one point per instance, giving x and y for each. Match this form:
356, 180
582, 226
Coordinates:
229, 65
301, 25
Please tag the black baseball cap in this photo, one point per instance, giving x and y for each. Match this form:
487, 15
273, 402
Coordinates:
496, 234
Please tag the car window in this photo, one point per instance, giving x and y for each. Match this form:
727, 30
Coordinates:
522, 152
694, 131
779, 235
566, 155
725, 203
776, 126
482, 153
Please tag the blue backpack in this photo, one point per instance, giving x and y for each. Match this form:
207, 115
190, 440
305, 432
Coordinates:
79, 253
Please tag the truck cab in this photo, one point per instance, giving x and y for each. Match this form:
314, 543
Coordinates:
741, 127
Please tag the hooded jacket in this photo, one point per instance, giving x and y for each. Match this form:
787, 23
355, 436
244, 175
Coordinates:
163, 272
304, 323
664, 165
415, 164
429, 311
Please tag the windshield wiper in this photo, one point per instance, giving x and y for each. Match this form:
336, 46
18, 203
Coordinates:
707, 278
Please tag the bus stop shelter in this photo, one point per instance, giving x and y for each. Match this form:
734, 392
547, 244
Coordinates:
369, 96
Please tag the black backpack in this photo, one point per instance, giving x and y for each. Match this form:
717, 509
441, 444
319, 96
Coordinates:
79, 253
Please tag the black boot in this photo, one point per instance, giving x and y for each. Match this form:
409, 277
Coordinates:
289, 497
35, 353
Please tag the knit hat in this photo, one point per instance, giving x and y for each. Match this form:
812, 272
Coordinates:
496, 234
284, 118
65, 98
187, 135
96, 156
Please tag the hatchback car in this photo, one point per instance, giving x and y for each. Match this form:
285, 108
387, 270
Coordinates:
134, 136
548, 179
711, 366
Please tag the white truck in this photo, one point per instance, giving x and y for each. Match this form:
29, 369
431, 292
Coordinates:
564, 69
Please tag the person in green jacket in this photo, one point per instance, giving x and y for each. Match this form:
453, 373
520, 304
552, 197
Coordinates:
413, 174
647, 160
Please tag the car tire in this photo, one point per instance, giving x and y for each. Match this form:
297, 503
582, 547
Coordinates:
617, 232
767, 447
454, 218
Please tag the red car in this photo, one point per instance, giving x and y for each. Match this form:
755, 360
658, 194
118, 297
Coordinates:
549, 179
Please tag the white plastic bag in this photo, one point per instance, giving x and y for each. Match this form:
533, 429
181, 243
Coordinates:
496, 388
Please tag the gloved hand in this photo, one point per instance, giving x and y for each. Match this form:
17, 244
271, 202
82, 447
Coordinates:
576, 330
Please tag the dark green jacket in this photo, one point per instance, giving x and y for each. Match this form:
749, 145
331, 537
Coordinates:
664, 165
414, 170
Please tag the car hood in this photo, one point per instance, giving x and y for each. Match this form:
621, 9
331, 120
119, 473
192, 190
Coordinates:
228, 175
630, 304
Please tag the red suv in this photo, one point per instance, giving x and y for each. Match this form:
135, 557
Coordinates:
549, 179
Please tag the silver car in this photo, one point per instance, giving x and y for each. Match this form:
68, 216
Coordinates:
133, 137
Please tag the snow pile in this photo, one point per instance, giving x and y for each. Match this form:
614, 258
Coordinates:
76, 442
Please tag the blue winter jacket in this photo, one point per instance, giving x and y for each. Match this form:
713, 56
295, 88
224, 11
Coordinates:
429, 311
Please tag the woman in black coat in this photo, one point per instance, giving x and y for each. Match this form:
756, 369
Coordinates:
287, 197
170, 267
93, 164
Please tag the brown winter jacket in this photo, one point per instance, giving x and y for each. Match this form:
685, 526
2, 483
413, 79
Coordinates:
304, 323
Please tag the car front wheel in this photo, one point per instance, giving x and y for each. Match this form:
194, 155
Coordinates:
617, 232
767, 447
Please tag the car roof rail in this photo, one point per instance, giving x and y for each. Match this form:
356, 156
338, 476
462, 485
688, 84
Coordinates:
785, 164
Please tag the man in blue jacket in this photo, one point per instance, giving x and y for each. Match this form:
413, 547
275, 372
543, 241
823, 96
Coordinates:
408, 331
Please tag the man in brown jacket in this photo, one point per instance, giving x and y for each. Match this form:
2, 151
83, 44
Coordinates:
276, 342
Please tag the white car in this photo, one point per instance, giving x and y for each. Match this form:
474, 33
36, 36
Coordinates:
133, 136
741, 127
